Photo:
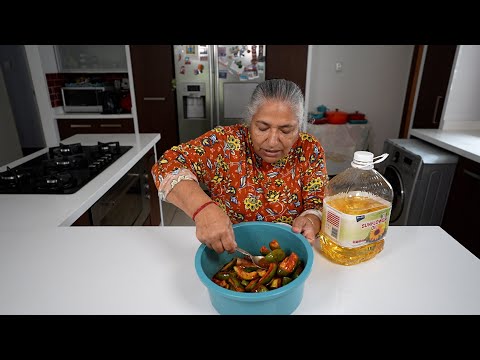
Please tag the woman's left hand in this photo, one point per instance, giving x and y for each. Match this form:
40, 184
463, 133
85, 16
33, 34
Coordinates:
308, 226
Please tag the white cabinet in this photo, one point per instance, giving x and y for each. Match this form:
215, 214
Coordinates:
91, 58
47, 57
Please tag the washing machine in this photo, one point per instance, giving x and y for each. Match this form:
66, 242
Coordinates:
421, 175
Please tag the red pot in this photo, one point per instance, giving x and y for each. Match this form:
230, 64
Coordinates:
356, 116
320, 121
337, 117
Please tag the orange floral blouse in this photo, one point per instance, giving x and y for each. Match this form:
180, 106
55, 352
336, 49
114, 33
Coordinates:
244, 186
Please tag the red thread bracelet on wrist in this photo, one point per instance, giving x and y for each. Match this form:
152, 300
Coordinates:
201, 208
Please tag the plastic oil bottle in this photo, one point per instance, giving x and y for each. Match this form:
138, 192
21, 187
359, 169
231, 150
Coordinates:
356, 212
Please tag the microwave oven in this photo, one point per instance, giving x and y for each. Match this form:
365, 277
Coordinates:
84, 99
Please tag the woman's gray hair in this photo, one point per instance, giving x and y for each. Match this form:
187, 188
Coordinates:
278, 89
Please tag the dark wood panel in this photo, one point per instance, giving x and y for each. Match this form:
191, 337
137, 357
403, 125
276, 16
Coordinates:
287, 62
459, 220
153, 73
70, 127
147, 221
413, 78
433, 86
84, 220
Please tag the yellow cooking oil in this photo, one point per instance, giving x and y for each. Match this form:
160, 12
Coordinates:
356, 213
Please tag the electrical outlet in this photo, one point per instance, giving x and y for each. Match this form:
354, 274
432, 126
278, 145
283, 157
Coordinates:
338, 66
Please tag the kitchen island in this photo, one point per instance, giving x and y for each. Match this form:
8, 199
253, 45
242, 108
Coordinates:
47, 210
150, 270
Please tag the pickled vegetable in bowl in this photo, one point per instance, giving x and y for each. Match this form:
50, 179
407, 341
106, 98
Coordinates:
242, 275
252, 236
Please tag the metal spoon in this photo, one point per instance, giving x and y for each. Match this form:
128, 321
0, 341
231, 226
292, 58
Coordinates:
257, 260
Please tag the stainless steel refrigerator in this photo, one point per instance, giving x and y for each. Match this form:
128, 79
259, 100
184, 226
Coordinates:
214, 84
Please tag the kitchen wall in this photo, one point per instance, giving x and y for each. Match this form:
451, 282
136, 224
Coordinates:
16, 72
34, 58
373, 80
10, 148
462, 109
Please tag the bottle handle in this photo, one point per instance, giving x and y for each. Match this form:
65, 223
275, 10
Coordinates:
380, 158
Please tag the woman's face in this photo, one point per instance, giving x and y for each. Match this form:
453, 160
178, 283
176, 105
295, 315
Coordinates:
274, 130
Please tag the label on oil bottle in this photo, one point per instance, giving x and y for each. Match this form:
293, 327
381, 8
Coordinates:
355, 230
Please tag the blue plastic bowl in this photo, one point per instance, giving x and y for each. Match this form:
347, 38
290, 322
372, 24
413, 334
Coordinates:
251, 236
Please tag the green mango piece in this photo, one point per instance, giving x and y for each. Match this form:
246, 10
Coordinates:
276, 255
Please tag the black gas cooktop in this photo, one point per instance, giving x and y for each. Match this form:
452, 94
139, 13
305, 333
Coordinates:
64, 169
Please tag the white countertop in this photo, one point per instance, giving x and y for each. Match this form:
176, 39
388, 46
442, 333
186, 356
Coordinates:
150, 270
50, 210
465, 143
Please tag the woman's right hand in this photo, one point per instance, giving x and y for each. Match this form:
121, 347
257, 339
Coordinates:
214, 229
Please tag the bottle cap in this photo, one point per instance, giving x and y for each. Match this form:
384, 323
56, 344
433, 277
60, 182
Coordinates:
363, 156
363, 160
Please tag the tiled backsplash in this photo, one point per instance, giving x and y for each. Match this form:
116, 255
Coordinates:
56, 81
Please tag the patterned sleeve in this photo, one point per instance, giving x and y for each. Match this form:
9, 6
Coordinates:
314, 174
188, 161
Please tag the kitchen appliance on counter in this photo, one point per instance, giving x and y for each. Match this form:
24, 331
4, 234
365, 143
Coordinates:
214, 84
64, 169
421, 175
85, 99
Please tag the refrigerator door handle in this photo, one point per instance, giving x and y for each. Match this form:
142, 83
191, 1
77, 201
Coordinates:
211, 65
216, 114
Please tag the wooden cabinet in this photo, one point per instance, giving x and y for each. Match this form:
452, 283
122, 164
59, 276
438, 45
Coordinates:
84, 220
433, 86
91, 58
153, 218
460, 217
153, 73
287, 62
70, 127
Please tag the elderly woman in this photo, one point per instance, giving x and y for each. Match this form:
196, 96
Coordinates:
264, 170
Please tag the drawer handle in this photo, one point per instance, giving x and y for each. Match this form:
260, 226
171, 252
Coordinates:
80, 125
154, 98
111, 125
473, 175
